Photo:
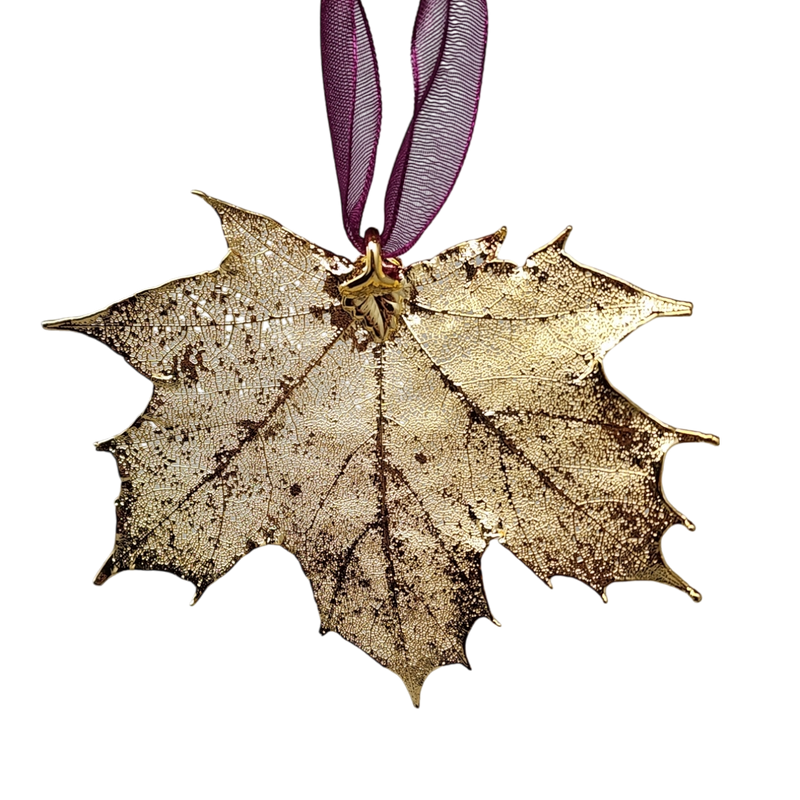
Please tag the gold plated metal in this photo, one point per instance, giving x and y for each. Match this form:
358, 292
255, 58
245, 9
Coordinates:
374, 260
386, 429
374, 300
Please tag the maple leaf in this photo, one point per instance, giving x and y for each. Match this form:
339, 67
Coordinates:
384, 428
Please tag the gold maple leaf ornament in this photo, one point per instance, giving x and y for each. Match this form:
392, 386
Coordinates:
384, 425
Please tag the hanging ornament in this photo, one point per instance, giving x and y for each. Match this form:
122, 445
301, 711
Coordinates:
384, 422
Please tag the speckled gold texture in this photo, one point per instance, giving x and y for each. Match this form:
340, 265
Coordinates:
386, 447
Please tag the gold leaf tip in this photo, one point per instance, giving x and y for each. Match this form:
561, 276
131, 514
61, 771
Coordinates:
198, 193
604, 596
562, 237
691, 592
667, 307
50, 324
695, 596
56, 324
106, 571
503, 231
414, 690
688, 524
695, 436
667, 577
565, 234
497, 622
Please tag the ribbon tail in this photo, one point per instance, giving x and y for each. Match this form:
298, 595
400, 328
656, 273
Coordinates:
447, 55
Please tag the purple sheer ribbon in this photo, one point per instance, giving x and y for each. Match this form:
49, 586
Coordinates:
447, 55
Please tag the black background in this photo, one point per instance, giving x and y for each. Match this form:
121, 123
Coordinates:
613, 132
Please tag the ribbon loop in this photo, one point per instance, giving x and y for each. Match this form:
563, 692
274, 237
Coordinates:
353, 99
447, 56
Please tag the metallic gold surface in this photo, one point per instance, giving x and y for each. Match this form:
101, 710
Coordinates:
387, 450
371, 298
